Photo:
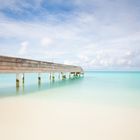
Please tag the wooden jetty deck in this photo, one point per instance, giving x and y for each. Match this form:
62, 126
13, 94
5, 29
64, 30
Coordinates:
21, 66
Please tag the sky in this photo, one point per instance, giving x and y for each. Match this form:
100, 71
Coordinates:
95, 34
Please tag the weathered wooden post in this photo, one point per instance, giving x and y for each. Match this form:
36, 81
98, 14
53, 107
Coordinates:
50, 77
39, 79
69, 75
63, 76
53, 77
17, 79
59, 76
23, 78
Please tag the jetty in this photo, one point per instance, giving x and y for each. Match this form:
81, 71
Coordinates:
20, 66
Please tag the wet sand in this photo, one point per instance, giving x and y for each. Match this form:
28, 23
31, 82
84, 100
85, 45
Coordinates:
25, 118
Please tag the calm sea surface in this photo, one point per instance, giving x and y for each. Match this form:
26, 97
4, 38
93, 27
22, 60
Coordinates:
117, 88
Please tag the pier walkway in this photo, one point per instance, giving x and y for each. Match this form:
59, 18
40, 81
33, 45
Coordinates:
21, 66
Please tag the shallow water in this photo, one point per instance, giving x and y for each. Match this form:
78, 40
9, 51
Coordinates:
100, 87
99, 106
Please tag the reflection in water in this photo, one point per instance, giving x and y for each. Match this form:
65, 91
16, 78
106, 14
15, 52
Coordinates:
24, 89
17, 89
39, 84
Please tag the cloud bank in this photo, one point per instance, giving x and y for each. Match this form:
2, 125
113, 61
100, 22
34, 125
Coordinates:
94, 34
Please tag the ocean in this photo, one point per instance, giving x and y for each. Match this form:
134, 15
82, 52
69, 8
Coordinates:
100, 105
101, 87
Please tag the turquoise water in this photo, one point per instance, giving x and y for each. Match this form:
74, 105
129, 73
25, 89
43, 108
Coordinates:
119, 88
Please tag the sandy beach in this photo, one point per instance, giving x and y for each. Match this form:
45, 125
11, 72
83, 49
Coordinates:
36, 119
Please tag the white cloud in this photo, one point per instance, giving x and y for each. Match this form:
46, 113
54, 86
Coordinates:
103, 37
24, 47
71, 62
46, 41
83, 58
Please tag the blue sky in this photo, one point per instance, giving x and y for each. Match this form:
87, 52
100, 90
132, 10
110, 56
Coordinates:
96, 34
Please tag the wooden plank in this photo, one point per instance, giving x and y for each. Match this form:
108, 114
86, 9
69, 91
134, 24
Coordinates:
14, 65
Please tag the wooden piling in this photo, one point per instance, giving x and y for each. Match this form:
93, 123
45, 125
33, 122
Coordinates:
17, 79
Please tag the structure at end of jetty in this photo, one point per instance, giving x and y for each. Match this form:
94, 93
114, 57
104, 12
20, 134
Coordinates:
21, 66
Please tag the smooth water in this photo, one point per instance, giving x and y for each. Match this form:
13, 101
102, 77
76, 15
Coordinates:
119, 88
98, 106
